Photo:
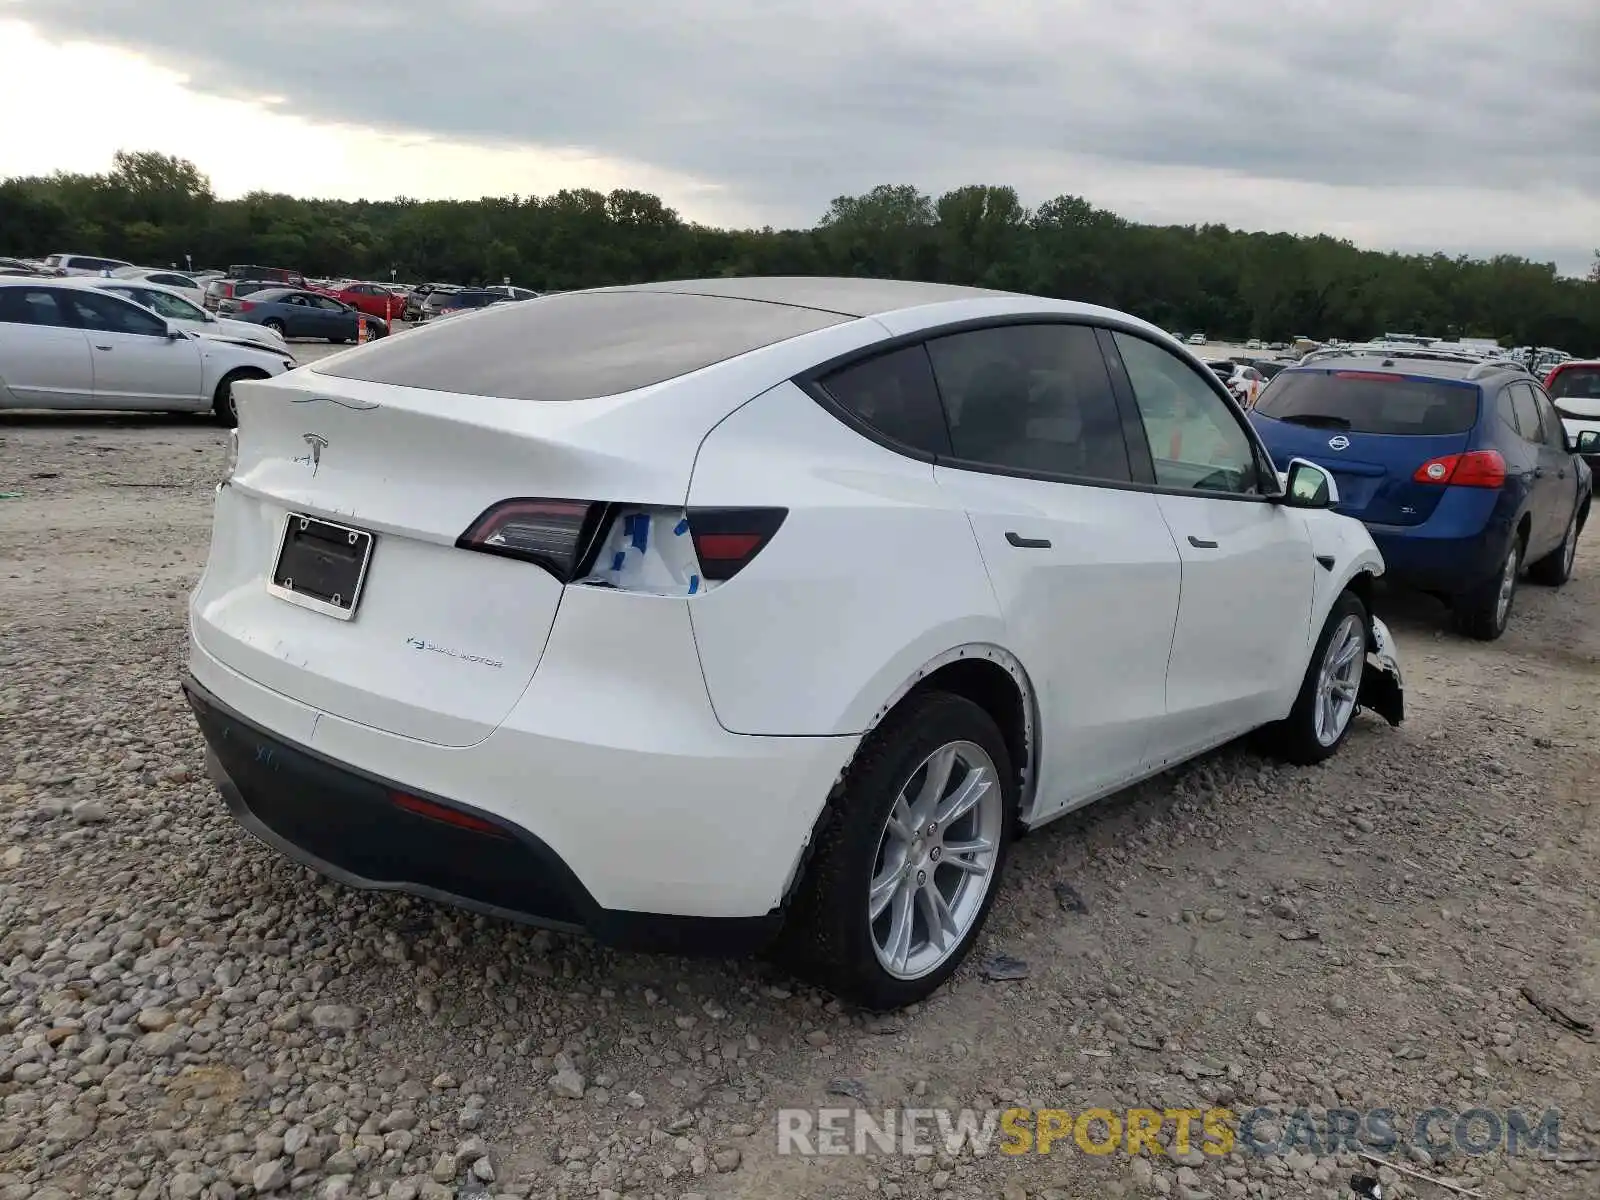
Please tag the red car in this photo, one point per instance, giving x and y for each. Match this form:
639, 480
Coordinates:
374, 299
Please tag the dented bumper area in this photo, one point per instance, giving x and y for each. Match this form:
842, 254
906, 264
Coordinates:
609, 800
1382, 684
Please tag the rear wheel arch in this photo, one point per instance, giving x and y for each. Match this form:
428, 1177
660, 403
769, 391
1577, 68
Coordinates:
996, 681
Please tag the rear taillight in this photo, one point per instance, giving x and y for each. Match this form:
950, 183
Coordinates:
726, 539
558, 535
1476, 468
246, 305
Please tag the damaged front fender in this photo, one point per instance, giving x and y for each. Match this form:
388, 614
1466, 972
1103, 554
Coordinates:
1382, 686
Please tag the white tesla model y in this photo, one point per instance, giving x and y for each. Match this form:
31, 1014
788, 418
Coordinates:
713, 614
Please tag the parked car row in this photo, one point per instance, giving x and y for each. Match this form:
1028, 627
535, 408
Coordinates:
430, 300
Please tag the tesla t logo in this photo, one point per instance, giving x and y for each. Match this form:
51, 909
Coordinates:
1338, 442
316, 443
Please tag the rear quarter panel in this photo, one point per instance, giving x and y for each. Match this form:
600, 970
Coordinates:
872, 575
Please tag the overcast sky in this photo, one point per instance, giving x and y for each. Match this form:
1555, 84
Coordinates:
1469, 125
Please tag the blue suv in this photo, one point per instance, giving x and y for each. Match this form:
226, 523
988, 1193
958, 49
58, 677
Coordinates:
1461, 471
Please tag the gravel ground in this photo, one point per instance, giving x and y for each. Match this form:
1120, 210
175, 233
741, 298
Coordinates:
186, 1015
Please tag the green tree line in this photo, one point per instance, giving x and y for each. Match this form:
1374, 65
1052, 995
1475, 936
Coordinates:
155, 209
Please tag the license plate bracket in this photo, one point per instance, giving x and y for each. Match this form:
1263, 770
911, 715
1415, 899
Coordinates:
321, 565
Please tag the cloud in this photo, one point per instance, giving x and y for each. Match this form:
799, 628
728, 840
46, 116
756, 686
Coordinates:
786, 103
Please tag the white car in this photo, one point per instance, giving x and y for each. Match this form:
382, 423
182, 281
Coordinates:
1197, 339
67, 345
186, 286
179, 310
82, 264
695, 614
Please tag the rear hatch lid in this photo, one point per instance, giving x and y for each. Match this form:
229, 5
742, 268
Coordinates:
1372, 428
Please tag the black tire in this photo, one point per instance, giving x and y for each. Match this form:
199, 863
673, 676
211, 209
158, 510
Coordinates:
1479, 613
1555, 568
222, 405
1294, 738
276, 327
827, 937
339, 341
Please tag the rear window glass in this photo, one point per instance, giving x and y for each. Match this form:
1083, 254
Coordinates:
578, 345
1576, 383
1371, 402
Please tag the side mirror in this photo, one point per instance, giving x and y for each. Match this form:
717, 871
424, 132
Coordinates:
1307, 485
1588, 442
174, 333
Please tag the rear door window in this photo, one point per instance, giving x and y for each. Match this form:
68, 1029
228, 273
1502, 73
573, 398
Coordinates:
1526, 413
1555, 435
1371, 402
1031, 398
95, 310
893, 395
31, 306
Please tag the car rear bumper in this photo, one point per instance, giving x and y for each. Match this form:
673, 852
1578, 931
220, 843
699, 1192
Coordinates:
370, 832
1423, 557
611, 763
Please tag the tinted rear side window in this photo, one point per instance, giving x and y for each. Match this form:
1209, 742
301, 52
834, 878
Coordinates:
894, 395
1526, 412
1371, 402
578, 345
30, 306
1033, 398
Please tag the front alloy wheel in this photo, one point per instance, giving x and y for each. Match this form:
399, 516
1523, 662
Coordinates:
1329, 691
1484, 612
1339, 680
1555, 568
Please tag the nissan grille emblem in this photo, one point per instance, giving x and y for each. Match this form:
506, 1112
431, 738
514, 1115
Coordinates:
1338, 442
317, 443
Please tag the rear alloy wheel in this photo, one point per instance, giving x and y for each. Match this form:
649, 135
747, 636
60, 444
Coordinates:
275, 326
1483, 612
1555, 568
910, 857
1326, 706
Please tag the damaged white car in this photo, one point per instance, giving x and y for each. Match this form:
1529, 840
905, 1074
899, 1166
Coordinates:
713, 614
